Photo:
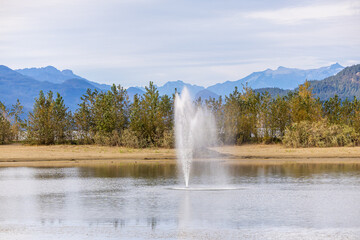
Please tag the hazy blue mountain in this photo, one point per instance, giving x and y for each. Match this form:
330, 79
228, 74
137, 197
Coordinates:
169, 88
53, 75
14, 85
49, 74
132, 91
206, 94
282, 77
99, 85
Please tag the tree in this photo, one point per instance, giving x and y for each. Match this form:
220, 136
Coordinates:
84, 117
232, 117
61, 121
111, 115
241, 116
6, 135
166, 125
17, 123
151, 118
39, 123
49, 123
217, 108
280, 116
150, 113
264, 118
304, 106
333, 110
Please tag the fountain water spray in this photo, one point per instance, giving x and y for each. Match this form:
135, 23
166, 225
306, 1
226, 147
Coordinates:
195, 129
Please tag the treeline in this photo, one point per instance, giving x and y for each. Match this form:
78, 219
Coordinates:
109, 118
105, 118
297, 119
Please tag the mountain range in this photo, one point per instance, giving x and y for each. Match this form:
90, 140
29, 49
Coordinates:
25, 84
53, 75
282, 77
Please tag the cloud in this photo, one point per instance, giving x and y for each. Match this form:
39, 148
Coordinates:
296, 15
134, 41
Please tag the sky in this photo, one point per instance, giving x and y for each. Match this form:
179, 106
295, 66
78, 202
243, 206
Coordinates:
203, 42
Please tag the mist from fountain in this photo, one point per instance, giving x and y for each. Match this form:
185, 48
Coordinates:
195, 131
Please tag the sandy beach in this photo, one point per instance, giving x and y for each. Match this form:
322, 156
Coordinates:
71, 155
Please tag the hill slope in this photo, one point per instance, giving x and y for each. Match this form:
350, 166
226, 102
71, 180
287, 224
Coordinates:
346, 84
274, 92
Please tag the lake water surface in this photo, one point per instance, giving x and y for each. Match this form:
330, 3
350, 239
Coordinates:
135, 201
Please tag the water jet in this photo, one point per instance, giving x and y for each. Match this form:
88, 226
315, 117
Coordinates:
195, 133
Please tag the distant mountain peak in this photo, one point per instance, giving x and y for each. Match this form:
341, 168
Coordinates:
336, 65
48, 74
169, 88
70, 74
4, 68
67, 71
50, 68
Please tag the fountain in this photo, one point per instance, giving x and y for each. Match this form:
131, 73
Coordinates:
195, 131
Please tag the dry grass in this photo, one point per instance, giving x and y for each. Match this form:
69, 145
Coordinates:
279, 151
69, 155
18, 153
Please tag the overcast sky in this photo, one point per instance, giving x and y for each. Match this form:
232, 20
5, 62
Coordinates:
132, 42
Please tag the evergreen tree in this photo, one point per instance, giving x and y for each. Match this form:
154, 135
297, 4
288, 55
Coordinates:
280, 116
84, 117
39, 124
304, 106
6, 135
217, 108
17, 123
265, 117
111, 115
49, 123
61, 121
151, 118
333, 110
241, 116
150, 106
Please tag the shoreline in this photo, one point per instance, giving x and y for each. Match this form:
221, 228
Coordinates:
16, 155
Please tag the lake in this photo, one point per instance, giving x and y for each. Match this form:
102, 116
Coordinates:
137, 201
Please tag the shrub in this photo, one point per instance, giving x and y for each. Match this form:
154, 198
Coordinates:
168, 139
6, 135
102, 139
129, 139
320, 134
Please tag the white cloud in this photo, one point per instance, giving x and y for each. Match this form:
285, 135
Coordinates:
296, 15
204, 42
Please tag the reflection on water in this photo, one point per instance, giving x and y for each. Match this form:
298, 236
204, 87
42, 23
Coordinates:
169, 170
133, 201
131, 170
